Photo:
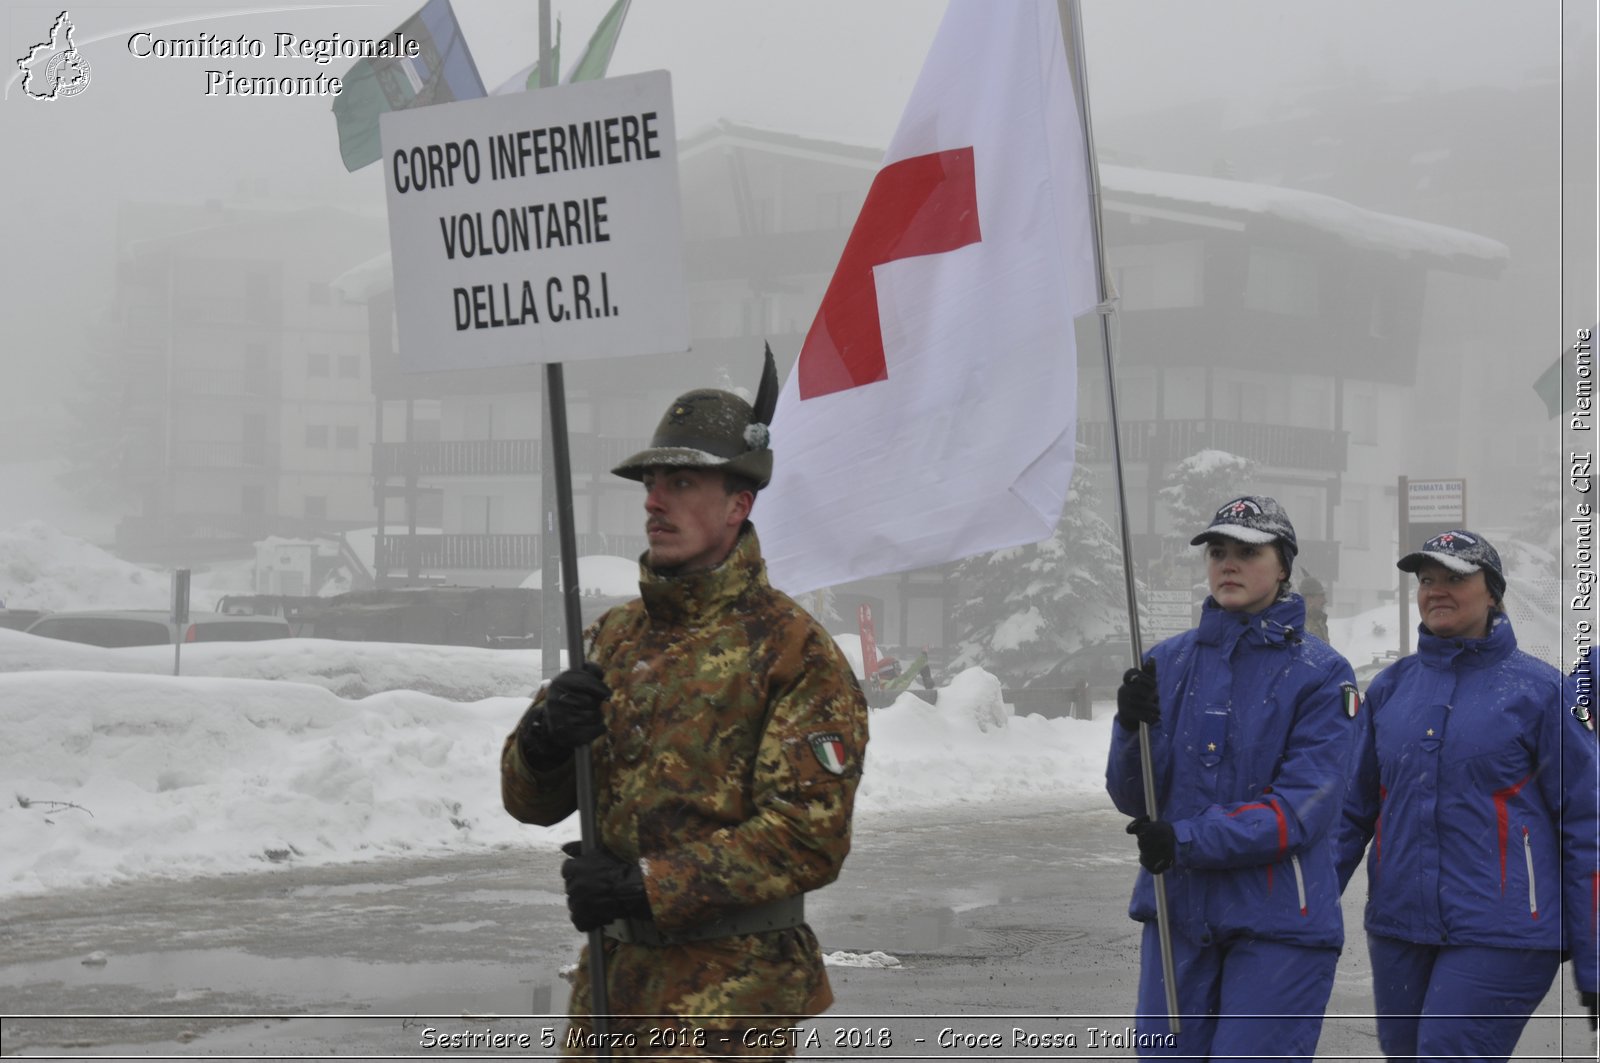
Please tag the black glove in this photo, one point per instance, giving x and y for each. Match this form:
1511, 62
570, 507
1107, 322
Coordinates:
1158, 843
1137, 701
1592, 1002
570, 717
602, 887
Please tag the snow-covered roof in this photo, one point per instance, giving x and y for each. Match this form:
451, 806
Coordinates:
361, 282
1354, 225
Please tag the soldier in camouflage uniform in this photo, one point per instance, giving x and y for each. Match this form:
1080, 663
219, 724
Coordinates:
1316, 607
727, 738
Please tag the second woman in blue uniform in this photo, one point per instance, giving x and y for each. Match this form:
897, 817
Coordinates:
1251, 726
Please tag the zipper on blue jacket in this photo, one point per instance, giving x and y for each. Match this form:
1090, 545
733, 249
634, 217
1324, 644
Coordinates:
1533, 895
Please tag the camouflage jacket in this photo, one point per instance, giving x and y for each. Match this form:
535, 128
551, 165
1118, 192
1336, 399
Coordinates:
735, 737
1317, 623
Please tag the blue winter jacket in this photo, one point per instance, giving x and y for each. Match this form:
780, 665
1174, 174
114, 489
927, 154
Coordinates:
1477, 791
1251, 758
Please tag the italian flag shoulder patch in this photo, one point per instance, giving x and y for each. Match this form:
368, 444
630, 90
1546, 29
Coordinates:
829, 748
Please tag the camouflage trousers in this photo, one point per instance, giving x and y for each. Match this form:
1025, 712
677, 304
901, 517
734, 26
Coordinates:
730, 997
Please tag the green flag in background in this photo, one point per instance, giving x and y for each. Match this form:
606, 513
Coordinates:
1549, 387
595, 58
590, 65
442, 71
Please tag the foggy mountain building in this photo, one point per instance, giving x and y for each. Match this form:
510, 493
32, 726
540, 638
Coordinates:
246, 401
1276, 325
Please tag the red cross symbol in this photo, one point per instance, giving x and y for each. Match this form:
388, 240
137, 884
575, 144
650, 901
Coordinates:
1446, 540
924, 205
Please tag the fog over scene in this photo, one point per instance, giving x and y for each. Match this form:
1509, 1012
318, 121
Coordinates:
1415, 186
1350, 257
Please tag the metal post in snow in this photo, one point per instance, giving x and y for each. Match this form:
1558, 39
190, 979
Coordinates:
555, 390
1072, 31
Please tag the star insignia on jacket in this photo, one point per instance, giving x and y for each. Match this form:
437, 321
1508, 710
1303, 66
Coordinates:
1430, 732
1211, 747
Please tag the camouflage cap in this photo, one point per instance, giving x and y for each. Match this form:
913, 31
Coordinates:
711, 429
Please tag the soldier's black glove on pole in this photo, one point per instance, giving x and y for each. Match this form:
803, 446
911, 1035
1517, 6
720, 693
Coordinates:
1158, 844
602, 887
570, 717
1137, 701
1592, 1002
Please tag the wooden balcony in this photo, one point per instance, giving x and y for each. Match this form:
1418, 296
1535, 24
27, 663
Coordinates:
1272, 445
464, 457
497, 457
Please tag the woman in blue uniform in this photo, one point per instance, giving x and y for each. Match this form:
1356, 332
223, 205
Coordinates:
1476, 792
1251, 725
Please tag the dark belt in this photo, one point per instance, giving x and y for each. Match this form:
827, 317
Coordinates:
774, 915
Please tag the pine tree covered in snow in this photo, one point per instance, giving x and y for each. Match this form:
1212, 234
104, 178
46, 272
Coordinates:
1028, 606
1202, 482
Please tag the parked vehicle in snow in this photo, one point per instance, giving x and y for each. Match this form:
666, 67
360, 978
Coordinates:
114, 628
19, 619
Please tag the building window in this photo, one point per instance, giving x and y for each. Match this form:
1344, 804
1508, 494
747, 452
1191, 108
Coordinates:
316, 507
1158, 276
1361, 414
349, 367
477, 514
1357, 533
477, 420
317, 436
256, 378
430, 509
348, 437
1281, 282
253, 448
316, 364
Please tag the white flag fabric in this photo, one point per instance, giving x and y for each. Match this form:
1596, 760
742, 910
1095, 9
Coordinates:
931, 414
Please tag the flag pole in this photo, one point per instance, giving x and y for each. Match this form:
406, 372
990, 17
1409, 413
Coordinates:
1072, 29
555, 389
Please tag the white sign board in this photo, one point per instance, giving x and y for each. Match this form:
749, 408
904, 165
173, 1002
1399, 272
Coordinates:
541, 226
1436, 501
1167, 613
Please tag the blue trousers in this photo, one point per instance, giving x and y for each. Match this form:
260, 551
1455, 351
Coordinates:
1243, 998
1455, 1001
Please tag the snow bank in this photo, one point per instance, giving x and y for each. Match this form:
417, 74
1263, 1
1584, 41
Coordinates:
130, 776
349, 669
969, 748
116, 776
43, 568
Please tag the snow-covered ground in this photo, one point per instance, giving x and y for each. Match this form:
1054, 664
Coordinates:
250, 760
301, 751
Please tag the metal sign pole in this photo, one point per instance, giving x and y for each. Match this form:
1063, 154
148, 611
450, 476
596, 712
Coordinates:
1072, 30
180, 613
555, 390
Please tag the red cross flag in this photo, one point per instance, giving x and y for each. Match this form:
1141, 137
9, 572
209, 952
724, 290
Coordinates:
931, 413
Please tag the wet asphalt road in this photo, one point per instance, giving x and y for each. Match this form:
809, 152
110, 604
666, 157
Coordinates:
1000, 919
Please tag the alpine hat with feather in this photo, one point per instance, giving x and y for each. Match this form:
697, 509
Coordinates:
711, 429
